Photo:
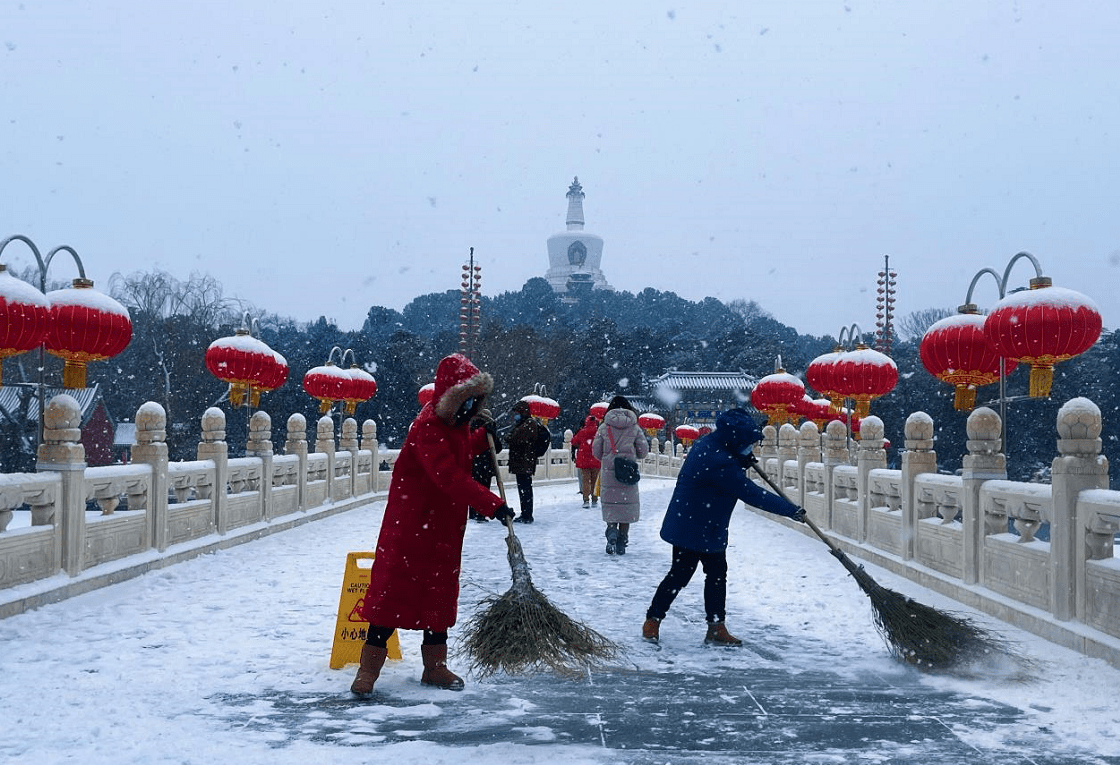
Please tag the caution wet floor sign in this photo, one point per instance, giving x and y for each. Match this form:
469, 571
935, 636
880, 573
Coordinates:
349, 628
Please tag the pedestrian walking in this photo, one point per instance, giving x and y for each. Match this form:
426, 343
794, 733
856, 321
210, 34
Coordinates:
618, 437
414, 580
528, 441
586, 462
711, 481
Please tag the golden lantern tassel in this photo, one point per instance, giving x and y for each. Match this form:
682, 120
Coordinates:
74, 374
1041, 379
965, 399
236, 395
863, 407
325, 405
255, 398
350, 407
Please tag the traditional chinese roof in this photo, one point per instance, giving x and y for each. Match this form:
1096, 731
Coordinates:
705, 381
10, 397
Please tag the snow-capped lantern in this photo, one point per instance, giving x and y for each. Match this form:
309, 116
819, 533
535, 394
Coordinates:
24, 316
957, 351
778, 396
704, 430
651, 423
274, 376
686, 434
362, 388
820, 374
424, 395
85, 325
541, 407
327, 383
816, 410
1043, 326
864, 374
598, 410
245, 363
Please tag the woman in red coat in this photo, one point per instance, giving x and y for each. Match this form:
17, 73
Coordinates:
414, 581
586, 462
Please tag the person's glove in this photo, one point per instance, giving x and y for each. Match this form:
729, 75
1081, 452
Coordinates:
503, 513
798, 514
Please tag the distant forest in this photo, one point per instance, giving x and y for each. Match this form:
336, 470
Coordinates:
608, 342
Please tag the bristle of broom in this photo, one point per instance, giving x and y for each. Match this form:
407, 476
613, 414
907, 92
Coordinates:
522, 632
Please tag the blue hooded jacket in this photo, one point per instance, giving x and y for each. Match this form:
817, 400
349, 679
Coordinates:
711, 481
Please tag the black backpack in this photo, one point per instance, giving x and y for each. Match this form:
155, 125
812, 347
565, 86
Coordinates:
543, 442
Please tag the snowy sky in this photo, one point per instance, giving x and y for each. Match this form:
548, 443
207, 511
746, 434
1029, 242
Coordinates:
322, 157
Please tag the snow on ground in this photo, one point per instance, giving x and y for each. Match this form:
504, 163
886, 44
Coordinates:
147, 670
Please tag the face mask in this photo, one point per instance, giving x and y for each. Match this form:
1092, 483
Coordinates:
517, 418
468, 404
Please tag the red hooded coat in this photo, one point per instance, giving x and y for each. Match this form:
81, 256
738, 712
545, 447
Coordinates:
581, 442
414, 582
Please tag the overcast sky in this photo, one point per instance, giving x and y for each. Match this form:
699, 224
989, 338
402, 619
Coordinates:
319, 158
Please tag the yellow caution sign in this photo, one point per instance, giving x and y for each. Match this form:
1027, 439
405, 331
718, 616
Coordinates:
349, 627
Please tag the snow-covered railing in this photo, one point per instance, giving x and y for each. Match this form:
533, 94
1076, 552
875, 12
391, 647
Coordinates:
1041, 556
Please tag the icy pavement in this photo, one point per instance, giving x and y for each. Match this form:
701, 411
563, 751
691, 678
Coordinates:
225, 659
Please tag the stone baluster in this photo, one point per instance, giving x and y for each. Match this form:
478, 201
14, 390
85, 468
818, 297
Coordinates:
259, 445
769, 450
324, 444
348, 441
870, 455
1078, 467
918, 457
213, 447
835, 453
785, 476
296, 443
369, 443
151, 450
808, 450
62, 452
984, 462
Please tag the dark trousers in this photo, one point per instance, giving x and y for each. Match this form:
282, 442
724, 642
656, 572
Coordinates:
379, 636
525, 494
680, 573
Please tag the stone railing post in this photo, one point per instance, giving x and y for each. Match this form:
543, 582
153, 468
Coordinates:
984, 462
769, 450
1079, 466
348, 441
259, 445
61, 452
787, 452
213, 447
870, 455
324, 444
808, 450
369, 443
151, 450
918, 457
296, 443
835, 453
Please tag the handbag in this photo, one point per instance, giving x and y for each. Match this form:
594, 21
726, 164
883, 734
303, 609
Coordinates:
625, 469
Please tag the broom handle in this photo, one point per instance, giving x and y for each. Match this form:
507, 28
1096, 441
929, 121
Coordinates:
808, 521
498, 476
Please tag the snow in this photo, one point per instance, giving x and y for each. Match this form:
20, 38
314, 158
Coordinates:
1053, 297
191, 663
86, 297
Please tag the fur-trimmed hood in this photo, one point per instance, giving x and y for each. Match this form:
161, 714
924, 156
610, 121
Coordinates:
457, 379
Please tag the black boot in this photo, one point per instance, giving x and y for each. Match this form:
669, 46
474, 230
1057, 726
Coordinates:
612, 538
623, 539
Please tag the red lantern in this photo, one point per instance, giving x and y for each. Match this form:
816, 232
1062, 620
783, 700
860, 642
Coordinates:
1041, 327
244, 362
820, 374
424, 395
542, 407
686, 434
328, 384
651, 423
598, 410
85, 325
704, 430
864, 374
24, 316
777, 396
956, 350
362, 388
272, 377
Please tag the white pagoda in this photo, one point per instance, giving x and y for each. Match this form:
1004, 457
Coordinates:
574, 255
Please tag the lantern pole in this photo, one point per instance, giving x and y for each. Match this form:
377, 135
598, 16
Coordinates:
43, 264
970, 307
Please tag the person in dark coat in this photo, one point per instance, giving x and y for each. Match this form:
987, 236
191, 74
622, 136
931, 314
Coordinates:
711, 481
414, 581
482, 467
586, 461
528, 441
619, 436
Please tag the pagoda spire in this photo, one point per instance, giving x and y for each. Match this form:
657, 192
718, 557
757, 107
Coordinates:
575, 206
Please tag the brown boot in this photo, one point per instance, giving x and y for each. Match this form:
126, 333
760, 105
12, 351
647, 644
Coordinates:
436, 672
718, 635
373, 659
651, 630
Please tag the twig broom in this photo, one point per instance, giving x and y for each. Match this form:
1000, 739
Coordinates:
522, 632
917, 634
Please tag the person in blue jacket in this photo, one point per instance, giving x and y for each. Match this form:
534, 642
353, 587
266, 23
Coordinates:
711, 482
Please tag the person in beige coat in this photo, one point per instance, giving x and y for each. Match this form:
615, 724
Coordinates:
618, 436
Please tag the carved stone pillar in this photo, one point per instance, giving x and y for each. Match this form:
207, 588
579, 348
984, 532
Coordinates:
870, 455
151, 449
918, 457
835, 453
984, 462
296, 443
369, 443
808, 450
259, 445
61, 452
324, 444
213, 447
